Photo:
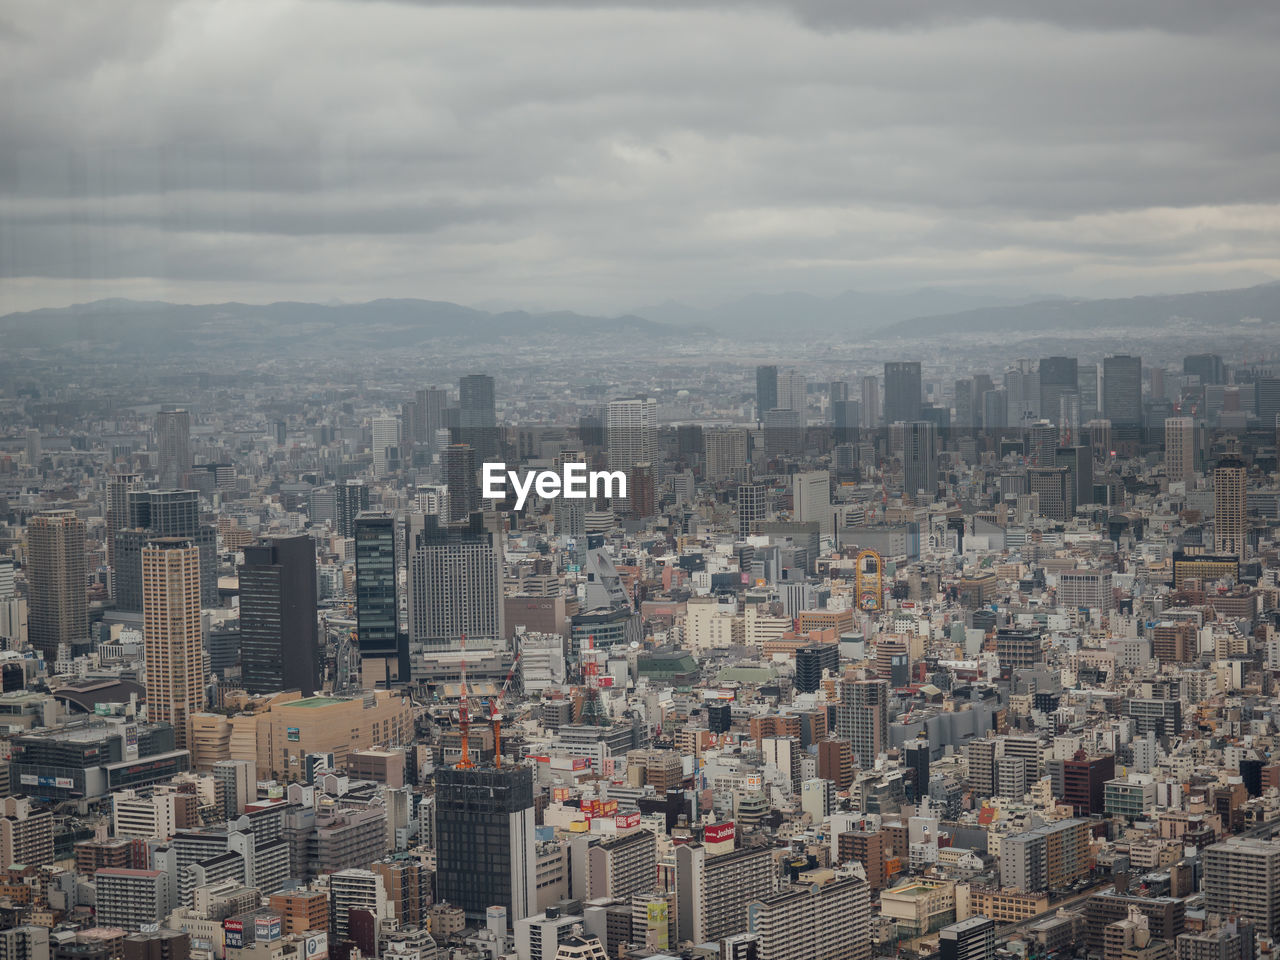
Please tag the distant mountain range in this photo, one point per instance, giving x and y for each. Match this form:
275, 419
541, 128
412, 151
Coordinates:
157, 328
849, 312
1217, 309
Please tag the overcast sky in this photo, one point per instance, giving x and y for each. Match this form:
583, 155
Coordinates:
601, 156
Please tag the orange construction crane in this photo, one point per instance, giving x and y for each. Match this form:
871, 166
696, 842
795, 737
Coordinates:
464, 719
495, 713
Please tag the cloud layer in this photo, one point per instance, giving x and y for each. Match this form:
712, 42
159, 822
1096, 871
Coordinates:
602, 155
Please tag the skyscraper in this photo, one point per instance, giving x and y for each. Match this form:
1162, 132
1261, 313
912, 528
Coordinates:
870, 402
171, 633
455, 582
58, 607
161, 513
1179, 449
1122, 397
902, 391
766, 390
477, 415
915, 443
386, 445
793, 393
485, 854
752, 507
726, 454
117, 507
1207, 366
352, 500
1230, 513
862, 718
811, 499
432, 403
1059, 377
377, 613
631, 432
279, 648
173, 439
458, 464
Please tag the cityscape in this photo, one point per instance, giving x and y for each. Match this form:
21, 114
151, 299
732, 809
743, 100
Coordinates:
633, 480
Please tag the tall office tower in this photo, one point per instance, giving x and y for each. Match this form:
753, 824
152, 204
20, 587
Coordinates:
793, 393
377, 613
766, 390
972, 939
1179, 449
33, 447
995, 409
1207, 366
916, 756
162, 513
1087, 386
279, 645
173, 438
386, 445
117, 508
642, 492
846, 420
902, 391
458, 464
477, 415
862, 718
811, 500
455, 583
1242, 878
631, 432
838, 390
1266, 398
352, 500
569, 516
753, 507
966, 413
1059, 377
870, 402
916, 444
411, 425
1042, 441
783, 432
58, 600
713, 889
726, 453
982, 755
432, 403
1230, 507
1122, 397
829, 919
812, 661
171, 633
1079, 463
1022, 392
485, 855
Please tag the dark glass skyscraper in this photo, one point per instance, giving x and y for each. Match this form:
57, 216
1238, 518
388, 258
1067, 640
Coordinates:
766, 390
352, 500
458, 463
1122, 397
377, 613
485, 853
161, 513
278, 636
902, 391
477, 415
1058, 378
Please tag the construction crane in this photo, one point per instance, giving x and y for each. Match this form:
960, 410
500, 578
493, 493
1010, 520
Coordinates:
464, 718
495, 712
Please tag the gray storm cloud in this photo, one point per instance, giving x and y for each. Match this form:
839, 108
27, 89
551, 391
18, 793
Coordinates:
598, 156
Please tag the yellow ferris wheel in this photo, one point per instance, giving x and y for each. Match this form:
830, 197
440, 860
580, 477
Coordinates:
870, 581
